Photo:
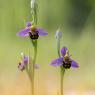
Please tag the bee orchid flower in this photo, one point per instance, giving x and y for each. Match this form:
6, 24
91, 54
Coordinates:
24, 62
32, 31
65, 60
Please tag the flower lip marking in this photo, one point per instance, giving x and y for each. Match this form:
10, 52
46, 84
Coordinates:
33, 33
67, 64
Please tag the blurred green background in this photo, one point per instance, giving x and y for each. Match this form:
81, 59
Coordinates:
76, 18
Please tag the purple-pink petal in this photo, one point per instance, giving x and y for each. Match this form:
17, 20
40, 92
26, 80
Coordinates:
41, 32
24, 32
74, 64
23, 63
29, 24
63, 51
25, 60
21, 66
57, 62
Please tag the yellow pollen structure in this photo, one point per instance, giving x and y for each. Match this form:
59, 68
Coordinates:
66, 55
33, 28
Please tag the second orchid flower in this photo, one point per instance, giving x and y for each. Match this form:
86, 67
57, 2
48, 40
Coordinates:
65, 60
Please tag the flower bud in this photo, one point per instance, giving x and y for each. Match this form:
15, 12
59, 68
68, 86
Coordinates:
58, 34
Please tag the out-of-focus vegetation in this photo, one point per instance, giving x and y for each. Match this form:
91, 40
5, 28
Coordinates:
77, 21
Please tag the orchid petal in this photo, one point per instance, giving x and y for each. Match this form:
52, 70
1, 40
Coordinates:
74, 64
25, 60
63, 51
24, 32
23, 63
21, 66
57, 62
29, 24
42, 32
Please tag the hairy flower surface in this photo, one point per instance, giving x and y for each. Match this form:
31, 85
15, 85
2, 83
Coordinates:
32, 31
65, 60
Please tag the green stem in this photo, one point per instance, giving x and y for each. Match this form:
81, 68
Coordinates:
34, 42
31, 72
33, 66
62, 72
34, 13
58, 47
